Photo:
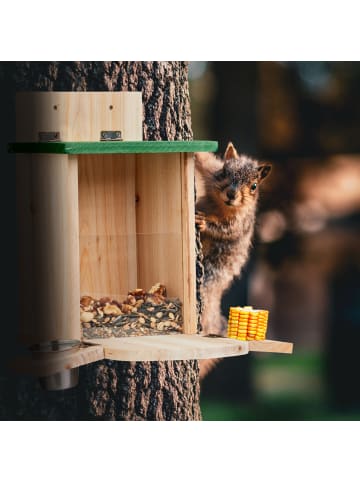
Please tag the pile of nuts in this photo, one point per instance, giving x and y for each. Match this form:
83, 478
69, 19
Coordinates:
142, 313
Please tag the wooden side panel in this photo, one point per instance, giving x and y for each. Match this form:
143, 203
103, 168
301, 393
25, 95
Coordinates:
188, 243
49, 209
159, 222
108, 261
78, 116
25, 244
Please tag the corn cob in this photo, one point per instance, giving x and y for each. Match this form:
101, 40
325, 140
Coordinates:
245, 323
233, 322
262, 325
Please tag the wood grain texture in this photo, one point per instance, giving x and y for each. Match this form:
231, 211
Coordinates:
188, 243
271, 346
159, 222
24, 224
108, 259
55, 362
170, 347
49, 208
78, 116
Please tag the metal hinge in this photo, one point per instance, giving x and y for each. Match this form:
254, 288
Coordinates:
110, 136
50, 136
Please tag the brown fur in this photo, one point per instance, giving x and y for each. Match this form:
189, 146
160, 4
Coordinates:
225, 214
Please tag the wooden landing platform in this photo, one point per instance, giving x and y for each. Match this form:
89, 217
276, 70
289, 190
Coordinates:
271, 346
146, 348
183, 347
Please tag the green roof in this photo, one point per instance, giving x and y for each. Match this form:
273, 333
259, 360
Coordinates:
113, 147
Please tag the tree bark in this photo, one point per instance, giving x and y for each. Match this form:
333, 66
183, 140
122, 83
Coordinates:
111, 390
164, 86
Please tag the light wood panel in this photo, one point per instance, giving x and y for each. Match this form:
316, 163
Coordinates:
188, 243
108, 259
48, 207
158, 190
159, 221
159, 260
24, 245
78, 116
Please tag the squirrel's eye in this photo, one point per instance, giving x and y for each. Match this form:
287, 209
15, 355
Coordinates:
253, 187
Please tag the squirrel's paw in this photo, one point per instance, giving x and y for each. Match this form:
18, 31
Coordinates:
200, 220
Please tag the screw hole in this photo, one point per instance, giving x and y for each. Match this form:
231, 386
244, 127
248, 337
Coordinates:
55, 107
111, 107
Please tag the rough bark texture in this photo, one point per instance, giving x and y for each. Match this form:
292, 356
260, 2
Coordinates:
199, 278
144, 391
112, 390
164, 86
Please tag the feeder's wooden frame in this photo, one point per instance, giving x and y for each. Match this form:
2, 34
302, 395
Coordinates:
77, 213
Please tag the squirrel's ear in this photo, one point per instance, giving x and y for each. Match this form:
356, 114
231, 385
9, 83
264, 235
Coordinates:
263, 171
230, 152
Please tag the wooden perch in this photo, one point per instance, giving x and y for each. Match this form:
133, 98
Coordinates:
183, 347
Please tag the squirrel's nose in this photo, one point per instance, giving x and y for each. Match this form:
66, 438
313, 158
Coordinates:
231, 193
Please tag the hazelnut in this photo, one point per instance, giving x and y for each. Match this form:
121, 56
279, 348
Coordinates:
158, 289
104, 300
111, 310
125, 308
86, 300
131, 300
86, 316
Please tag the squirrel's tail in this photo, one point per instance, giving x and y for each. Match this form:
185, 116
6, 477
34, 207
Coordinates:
206, 366
207, 163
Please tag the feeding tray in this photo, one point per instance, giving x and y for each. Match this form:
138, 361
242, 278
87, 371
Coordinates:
149, 348
183, 347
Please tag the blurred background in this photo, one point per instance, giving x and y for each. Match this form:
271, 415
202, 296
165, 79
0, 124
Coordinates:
303, 117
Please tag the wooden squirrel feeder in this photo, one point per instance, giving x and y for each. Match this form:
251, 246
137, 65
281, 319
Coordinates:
101, 212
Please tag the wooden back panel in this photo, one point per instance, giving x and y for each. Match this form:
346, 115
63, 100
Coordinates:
107, 225
158, 221
78, 116
136, 225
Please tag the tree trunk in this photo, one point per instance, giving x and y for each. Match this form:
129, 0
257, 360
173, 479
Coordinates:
111, 390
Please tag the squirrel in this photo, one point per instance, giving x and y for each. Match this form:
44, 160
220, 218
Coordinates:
225, 216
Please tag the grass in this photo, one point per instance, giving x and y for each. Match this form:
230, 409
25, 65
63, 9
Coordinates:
280, 409
285, 388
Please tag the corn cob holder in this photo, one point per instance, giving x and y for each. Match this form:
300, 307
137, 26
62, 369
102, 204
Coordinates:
245, 323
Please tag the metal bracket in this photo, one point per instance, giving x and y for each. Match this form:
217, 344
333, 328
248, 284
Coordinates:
50, 136
110, 136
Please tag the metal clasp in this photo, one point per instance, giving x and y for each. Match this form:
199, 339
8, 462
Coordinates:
110, 136
50, 136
